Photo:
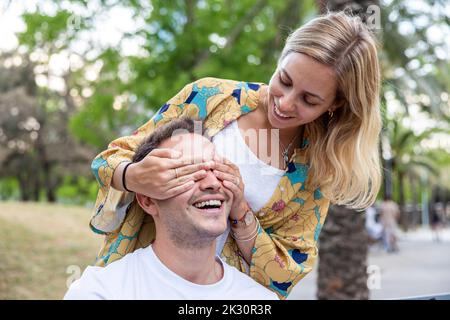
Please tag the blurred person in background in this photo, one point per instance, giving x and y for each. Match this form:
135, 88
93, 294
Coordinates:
373, 226
437, 215
389, 215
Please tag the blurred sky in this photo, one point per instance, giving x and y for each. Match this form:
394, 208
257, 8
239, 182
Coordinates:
107, 32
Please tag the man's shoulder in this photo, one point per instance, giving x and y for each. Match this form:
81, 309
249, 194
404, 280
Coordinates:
121, 264
249, 288
104, 282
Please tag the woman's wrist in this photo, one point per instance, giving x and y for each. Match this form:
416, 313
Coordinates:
116, 182
244, 226
124, 178
119, 178
239, 212
246, 232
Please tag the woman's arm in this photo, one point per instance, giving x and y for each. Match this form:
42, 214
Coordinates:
108, 166
285, 251
243, 234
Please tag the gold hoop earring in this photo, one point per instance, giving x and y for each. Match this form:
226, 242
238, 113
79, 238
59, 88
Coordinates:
330, 114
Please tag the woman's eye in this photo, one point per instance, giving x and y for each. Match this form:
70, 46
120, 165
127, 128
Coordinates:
309, 103
283, 82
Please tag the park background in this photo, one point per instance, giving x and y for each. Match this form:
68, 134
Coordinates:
76, 74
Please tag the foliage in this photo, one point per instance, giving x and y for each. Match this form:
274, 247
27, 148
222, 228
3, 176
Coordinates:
108, 88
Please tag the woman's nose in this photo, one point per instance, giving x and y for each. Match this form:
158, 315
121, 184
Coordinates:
286, 103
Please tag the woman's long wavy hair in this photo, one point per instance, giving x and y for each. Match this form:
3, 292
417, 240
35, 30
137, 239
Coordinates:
344, 157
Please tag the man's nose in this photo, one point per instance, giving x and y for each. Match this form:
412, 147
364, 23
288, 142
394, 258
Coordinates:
209, 182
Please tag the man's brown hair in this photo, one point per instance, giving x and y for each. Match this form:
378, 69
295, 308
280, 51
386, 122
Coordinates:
174, 127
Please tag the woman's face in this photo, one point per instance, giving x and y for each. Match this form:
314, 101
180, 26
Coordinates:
300, 90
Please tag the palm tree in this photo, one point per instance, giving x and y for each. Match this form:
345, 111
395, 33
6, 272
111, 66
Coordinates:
407, 158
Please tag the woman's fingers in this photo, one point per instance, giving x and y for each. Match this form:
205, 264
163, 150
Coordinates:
165, 153
188, 169
225, 161
224, 176
178, 173
228, 177
194, 176
224, 168
184, 161
227, 171
233, 188
173, 158
179, 189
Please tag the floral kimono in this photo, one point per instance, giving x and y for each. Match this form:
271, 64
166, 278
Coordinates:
286, 245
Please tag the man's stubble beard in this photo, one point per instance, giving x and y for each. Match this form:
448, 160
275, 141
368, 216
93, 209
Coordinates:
184, 234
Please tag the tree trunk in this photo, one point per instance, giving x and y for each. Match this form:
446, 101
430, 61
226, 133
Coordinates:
403, 213
24, 187
387, 171
49, 184
36, 187
415, 200
343, 247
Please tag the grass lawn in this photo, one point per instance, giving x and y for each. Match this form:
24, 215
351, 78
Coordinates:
38, 242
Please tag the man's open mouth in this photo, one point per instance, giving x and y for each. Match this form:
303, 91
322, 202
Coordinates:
209, 204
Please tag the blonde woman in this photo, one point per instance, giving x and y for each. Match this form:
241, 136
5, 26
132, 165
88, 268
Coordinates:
321, 114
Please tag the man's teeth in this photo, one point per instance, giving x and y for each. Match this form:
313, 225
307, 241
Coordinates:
211, 203
279, 113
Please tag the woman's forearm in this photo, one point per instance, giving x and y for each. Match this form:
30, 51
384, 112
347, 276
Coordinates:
245, 247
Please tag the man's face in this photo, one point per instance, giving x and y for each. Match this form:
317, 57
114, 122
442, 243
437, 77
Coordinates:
201, 213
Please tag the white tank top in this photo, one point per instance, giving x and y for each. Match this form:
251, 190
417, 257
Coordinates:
260, 179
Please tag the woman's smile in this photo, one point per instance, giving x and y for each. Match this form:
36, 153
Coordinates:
279, 113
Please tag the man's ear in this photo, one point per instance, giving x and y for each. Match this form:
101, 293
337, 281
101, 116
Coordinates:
147, 204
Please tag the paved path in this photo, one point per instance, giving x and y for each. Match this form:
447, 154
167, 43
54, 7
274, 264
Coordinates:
422, 267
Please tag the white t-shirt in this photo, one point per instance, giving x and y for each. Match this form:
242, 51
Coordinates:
260, 179
141, 275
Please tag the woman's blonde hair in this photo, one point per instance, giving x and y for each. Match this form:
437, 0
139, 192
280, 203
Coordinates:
343, 153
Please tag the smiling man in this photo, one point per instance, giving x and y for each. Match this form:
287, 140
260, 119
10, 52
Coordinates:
181, 262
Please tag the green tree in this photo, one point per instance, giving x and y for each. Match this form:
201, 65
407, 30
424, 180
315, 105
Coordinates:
408, 157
